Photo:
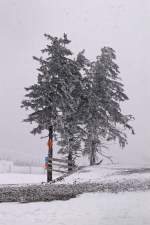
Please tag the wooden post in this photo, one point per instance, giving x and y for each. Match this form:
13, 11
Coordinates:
50, 154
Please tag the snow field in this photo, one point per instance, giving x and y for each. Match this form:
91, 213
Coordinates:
88, 209
19, 178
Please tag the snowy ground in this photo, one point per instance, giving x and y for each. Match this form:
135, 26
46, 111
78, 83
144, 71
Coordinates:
108, 173
88, 209
128, 208
19, 178
111, 173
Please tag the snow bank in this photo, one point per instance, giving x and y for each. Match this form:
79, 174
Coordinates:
49, 192
106, 174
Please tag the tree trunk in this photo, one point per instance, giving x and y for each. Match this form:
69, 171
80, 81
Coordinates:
70, 164
50, 154
70, 158
93, 155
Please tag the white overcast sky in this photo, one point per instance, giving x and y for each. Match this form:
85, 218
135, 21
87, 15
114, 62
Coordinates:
90, 24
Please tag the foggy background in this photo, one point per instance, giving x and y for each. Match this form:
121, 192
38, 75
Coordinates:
90, 24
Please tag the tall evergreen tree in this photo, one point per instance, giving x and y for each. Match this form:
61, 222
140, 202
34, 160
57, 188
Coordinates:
105, 120
52, 98
70, 129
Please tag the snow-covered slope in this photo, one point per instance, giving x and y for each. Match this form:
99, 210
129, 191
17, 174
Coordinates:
96, 174
109, 173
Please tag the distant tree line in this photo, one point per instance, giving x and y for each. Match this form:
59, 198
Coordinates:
21, 162
79, 99
27, 163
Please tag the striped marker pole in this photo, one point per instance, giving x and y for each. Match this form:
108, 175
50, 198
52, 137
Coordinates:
50, 154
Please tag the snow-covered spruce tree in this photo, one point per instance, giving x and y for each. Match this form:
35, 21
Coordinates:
105, 119
51, 97
90, 115
70, 128
93, 118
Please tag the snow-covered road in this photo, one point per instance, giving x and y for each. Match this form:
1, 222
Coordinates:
88, 209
